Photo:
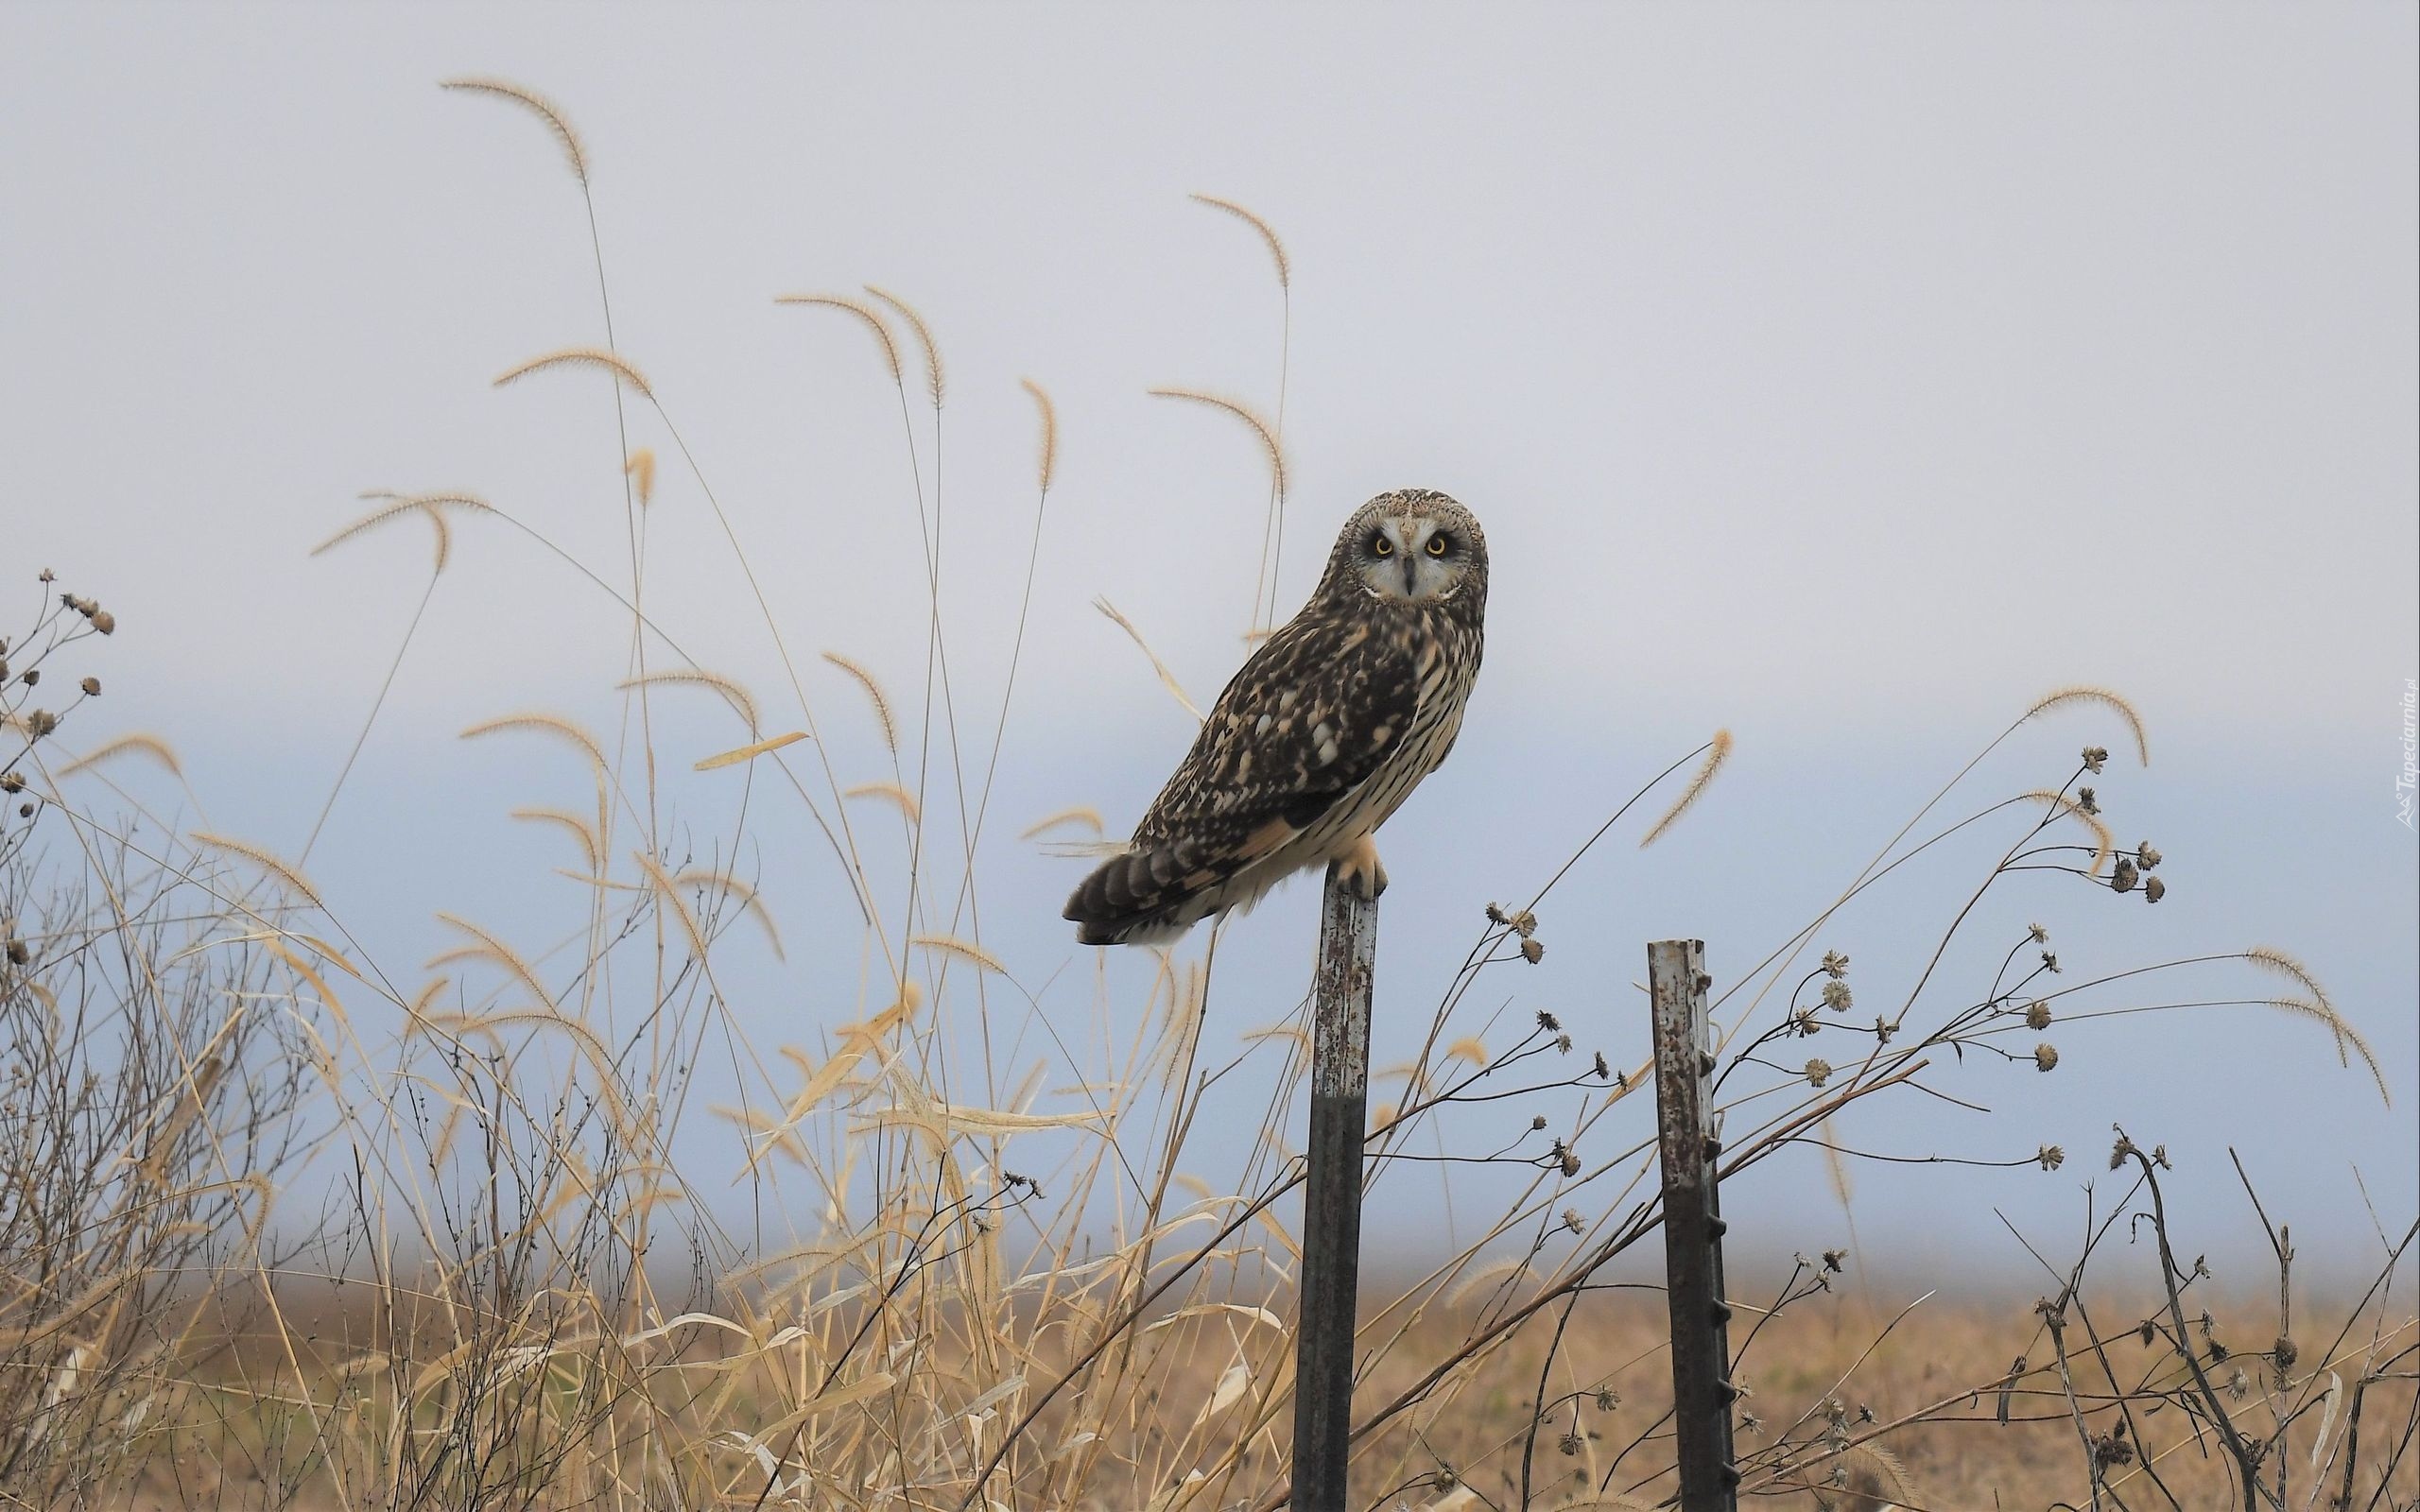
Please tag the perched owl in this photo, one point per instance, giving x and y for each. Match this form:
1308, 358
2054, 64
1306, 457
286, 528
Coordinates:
1327, 729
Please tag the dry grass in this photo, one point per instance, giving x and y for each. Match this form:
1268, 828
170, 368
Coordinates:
288, 1226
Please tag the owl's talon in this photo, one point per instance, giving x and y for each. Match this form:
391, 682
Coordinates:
1359, 868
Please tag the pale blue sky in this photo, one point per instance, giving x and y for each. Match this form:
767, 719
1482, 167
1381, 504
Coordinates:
1845, 375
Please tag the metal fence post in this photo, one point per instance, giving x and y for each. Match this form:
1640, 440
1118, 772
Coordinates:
1332, 1196
1702, 1390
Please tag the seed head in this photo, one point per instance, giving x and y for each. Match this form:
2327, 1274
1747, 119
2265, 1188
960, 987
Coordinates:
1573, 1221
2095, 758
2037, 1016
18, 953
1548, 1021
1819, 1070
1835, 965
1607, 1401
2284, 1352
2087, 800
12, 783
1537, 1122
2045, 1056
40, 722
91, 687
104, 622
2051, 1157
2146, 855
1570, 1444
2041, 936
1884, 1030
31, 676
1570, 1162
2123, 878
1837, 996
1532, 951
1603, 1070
2154, 890
1833, 1260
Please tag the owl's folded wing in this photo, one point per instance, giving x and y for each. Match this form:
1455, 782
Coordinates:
1308, 718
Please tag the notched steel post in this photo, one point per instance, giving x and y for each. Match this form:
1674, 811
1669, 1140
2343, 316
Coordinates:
1693, 1226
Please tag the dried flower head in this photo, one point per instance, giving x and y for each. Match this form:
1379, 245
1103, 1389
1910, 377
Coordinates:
1601, 1070
2095, 758
2051, 1157
104, 622
1537, 1122
2284, 1352
1548, 1021
2045, 1056
1819, 1070
1837, 996
1834, 1261
1835, 965
2124, 877
91, 687
1573, 1221
2146, 855
2087, 800
2040, 936
1607, 1401
2154, 890
2037, 1016
1532, 951
18, 953
12, 783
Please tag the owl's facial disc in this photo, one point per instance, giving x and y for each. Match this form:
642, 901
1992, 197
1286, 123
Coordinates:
1411, 557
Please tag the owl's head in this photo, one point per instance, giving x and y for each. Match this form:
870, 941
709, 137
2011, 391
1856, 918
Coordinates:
1413, 545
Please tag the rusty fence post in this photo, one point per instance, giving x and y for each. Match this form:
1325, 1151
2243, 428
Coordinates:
1332, 1196
1684, 1129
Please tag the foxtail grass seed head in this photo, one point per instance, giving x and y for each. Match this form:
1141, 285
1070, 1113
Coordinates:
2037, 1016
2046, 1056
2051, 1157
1819, 1070
2154, 890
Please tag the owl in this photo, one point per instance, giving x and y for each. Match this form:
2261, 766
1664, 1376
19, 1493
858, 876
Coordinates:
1322, 735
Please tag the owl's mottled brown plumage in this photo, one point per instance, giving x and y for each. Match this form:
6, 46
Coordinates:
1322, 735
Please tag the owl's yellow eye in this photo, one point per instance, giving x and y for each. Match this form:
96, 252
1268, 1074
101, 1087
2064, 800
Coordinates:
1381, 547
1439, 545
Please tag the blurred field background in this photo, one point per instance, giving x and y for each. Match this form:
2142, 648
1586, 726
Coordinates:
694, 1114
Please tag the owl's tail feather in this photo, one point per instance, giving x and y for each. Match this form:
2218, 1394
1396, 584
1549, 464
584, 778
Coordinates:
1132, 897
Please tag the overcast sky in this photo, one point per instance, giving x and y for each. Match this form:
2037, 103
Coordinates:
1845, 375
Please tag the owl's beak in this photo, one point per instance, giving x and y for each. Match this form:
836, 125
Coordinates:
1408, 564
